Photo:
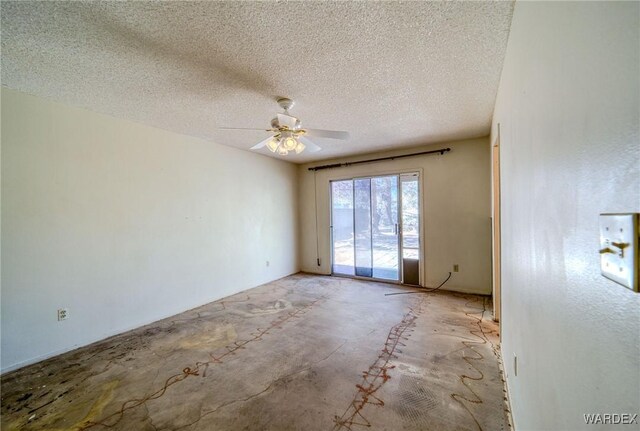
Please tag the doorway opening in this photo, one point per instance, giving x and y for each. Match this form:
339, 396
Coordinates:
375, 228
497, 281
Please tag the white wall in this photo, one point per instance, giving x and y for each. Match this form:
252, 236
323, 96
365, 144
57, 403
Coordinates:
125, 224
456, 211
568, 109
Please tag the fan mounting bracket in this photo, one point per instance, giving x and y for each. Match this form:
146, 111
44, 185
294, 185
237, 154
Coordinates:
285, 103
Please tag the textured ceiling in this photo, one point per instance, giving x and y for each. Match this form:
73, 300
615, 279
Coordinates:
393, 74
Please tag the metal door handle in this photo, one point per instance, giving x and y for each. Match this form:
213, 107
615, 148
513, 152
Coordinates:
396, 229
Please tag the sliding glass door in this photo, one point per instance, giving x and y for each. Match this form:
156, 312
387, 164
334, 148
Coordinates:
365, 232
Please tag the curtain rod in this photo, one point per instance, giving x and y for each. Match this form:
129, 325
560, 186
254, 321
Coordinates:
344, 165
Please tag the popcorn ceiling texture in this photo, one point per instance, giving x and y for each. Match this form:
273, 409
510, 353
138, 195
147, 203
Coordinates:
393, 74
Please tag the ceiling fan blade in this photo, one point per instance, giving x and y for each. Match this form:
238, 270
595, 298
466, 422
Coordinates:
261, 144
287, 120
309, 146
242, 128
331, 134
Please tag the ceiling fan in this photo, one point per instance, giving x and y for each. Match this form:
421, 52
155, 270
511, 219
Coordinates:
288, 134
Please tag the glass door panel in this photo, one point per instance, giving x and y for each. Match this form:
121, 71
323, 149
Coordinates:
410, 218
362, 227
384, 227
342, 227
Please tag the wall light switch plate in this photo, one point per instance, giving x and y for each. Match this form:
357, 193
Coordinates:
619, 248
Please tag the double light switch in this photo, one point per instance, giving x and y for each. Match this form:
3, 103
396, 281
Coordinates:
619, 248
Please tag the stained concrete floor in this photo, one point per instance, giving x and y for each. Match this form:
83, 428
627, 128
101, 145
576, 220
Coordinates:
301, 353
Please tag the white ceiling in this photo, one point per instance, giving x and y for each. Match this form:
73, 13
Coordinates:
393, 74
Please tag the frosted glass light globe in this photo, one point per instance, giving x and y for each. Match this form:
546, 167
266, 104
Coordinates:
272, 145
290, 144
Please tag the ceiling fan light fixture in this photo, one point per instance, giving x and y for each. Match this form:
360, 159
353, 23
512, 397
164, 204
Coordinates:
272, 145
287, 133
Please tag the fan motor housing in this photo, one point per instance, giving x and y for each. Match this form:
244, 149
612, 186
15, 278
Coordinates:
275, 124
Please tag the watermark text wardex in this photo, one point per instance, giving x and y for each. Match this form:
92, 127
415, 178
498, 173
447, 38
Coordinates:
610, 419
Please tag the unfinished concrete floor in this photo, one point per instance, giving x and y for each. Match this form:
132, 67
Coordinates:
301, 353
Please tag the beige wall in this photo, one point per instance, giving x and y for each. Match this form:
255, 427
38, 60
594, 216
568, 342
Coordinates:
568, 109
125, 224
456, 211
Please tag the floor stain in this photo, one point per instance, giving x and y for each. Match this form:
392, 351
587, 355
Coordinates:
98, 407
61, 420
210, 339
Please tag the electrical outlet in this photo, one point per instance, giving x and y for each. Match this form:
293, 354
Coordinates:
267, 263
63, 314
456, 267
